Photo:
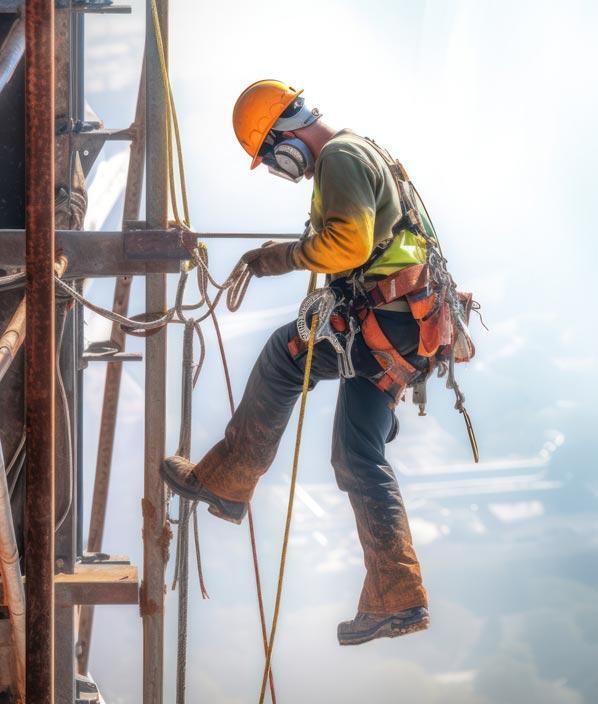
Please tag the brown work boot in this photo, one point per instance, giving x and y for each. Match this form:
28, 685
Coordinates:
178, 474
365, 627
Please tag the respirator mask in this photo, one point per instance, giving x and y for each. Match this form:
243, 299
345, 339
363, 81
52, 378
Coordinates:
290, 158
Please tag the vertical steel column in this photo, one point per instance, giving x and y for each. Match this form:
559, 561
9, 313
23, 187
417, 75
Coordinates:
66, 492
39, 349
67, 430
155, 530
77, 62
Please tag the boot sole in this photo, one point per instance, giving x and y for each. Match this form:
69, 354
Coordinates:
186, 493
215, 511
385, 630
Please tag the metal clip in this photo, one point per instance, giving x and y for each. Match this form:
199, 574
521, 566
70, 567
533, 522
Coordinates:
323, 302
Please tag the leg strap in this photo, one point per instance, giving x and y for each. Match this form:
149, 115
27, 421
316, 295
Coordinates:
397, 372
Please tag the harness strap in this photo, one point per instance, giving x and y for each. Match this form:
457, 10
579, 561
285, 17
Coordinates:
407, 280
396, 373
410, 213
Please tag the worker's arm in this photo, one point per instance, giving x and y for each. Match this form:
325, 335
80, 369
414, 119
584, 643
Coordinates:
344, 194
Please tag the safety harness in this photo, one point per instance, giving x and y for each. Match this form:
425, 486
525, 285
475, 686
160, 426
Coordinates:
430, 292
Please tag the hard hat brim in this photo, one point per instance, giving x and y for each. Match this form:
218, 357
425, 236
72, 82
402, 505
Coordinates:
257, 159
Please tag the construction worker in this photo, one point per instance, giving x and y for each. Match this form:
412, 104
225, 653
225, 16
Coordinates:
355, 208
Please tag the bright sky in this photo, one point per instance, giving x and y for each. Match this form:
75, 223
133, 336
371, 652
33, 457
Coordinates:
492, 107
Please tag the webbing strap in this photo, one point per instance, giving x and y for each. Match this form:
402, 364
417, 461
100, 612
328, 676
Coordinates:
405, 281
397, 372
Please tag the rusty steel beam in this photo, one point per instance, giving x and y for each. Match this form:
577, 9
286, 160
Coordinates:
70, 183
152, 244
40, 350
248, 236
132, 252
97, 254
155, 529
100, 583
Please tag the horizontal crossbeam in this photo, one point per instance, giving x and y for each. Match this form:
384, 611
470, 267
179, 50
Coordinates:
102, 583
131, 253
96, 254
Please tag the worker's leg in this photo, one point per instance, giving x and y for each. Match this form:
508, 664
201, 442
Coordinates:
232, 468
363, 424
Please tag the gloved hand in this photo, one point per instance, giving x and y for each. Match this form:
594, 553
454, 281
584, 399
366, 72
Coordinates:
271, 259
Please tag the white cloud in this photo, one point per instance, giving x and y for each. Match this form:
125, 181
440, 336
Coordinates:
424, 532
238, 324
576, 363
517, 510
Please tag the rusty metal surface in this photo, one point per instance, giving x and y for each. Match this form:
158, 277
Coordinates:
70, 209
97, 254
11, 52
248, 236
39, 350
62, 110
174, 244
153, 505
100, 583
90, 144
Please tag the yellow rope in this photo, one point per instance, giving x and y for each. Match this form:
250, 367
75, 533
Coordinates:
172, 125
287, 528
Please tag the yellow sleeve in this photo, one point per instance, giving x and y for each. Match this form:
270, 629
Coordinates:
344, 193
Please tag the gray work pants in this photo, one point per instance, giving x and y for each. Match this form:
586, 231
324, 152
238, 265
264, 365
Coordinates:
363, 423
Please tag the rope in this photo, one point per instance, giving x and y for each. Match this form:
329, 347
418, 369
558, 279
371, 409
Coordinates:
11, 281
287, 528
236, 286
172, 125
186, 510
128, 323
252, 538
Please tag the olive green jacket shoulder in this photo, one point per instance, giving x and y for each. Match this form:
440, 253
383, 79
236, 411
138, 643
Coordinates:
354, 206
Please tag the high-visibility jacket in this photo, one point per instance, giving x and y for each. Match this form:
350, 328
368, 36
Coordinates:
354, 207
361, 200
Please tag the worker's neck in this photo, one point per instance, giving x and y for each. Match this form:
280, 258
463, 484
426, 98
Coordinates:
316, 136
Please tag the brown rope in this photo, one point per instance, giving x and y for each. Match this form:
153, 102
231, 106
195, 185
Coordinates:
256, 566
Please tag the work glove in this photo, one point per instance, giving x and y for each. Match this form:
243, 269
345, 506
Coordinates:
271, 259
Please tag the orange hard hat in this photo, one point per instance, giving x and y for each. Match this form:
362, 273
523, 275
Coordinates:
256, 111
